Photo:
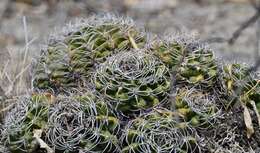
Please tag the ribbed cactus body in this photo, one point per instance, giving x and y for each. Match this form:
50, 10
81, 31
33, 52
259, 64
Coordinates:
234, 76
68, 124
251, 93
241, 85
133, 81
158, 131
196, 106
82, 123
100, 41
191, 63
65, 63
29, 114
171, 54
54, 70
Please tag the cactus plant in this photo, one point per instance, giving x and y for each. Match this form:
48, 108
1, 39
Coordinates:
190, 61
160, 132
241, 84
133, 81
196, 106
80, 123
234, 76
69, 59
93, 126
54, 71
30, 113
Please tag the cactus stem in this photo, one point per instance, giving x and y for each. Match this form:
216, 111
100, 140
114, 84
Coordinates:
132, 41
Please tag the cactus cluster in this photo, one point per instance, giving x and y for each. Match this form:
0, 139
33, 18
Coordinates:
103, 87
68, 61
68, 124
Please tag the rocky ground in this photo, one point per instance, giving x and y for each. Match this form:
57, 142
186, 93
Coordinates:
25, 25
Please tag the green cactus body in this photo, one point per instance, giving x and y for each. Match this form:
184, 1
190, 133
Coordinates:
191, 63
196, 106
158, 131
251, 94
54, 70
171, 54
240, 84
233, 74
133, 81
82, 123
67, 62
99, 42
28, 115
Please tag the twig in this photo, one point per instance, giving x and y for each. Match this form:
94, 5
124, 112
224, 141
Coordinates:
25, 51
6, 108
237, 33
26, 41
245, 25
255, 4
16, 77
254, 19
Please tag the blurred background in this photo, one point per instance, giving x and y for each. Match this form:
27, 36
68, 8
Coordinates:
26, 24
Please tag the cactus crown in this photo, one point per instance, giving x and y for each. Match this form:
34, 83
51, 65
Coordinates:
133, 81
29, 113
69, 61
192, 62
159, 131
